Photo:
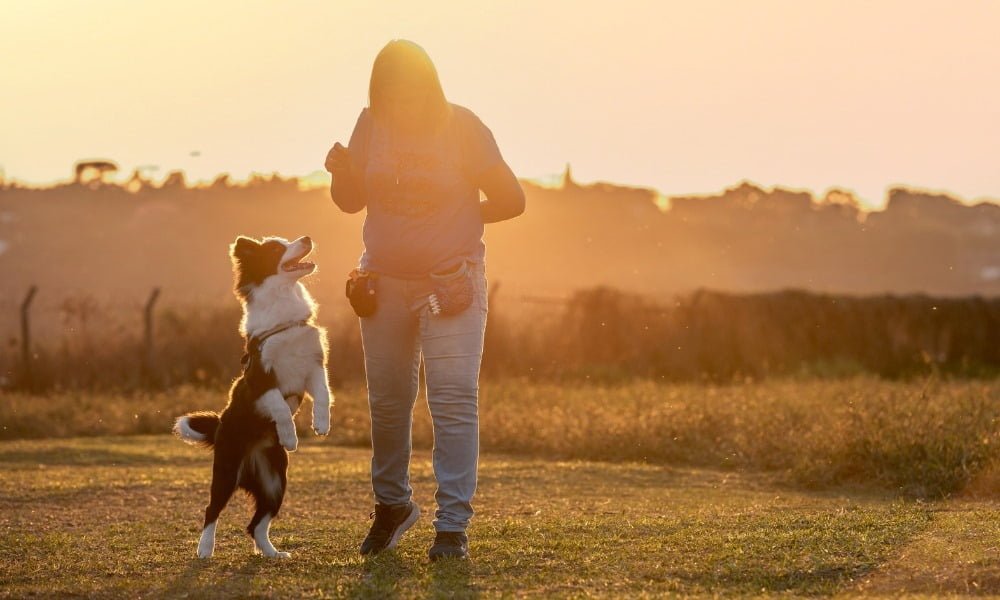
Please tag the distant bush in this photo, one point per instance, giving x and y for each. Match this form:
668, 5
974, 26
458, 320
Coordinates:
731, 336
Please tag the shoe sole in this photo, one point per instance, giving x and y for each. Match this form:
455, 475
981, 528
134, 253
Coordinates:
403, 527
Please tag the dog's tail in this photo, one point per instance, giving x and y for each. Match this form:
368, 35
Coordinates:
197, 428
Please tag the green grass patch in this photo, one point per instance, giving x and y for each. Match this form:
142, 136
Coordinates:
958, 554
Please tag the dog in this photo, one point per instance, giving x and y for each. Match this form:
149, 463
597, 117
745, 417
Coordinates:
286, 356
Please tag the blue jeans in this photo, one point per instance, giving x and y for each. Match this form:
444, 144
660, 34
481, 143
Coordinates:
394, 337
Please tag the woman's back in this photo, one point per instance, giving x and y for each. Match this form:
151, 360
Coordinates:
422, 193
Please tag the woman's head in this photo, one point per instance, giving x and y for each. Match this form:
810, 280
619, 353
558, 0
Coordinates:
405, 90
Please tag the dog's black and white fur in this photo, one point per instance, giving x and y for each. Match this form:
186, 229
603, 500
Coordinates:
286, 359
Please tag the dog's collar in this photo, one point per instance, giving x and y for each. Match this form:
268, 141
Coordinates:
254, 342
259, 338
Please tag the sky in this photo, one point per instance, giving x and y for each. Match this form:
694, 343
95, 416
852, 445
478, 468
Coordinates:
685, 97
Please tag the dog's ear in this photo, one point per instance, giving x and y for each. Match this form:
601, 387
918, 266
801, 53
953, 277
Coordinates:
243, 247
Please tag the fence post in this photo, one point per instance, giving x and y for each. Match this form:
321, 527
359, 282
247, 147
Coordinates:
147, 350
29, 379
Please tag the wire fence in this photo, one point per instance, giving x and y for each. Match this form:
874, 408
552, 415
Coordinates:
597, 333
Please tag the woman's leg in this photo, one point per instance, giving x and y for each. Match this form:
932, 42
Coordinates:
453, 350
392, 362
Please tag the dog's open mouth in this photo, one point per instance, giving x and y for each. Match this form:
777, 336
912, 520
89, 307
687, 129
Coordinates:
297, 264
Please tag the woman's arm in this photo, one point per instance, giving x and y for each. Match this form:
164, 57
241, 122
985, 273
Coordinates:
347, 165
349, 200
345, 189
504, 196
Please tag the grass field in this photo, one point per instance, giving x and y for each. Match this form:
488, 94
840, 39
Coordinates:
119, 517
926, 438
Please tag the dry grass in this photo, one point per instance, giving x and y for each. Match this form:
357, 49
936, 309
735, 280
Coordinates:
925, 439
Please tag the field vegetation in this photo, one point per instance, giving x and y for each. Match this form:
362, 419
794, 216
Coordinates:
641, 435
926, 438
711, 444
116, 517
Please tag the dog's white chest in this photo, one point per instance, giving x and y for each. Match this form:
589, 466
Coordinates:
292, 356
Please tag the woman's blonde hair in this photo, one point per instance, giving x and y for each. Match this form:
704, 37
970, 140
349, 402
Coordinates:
404, 56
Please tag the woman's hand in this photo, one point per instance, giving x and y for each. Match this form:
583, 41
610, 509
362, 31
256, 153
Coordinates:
338, 159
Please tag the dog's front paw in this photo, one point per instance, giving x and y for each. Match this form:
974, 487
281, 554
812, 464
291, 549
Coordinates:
290, 443
321, 425
321, 420
277, 554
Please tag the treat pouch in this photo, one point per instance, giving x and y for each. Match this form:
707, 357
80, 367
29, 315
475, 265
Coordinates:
452, 291
360, 291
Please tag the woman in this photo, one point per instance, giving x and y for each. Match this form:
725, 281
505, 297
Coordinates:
418, 163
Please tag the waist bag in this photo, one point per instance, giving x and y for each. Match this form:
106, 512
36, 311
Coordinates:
453, 291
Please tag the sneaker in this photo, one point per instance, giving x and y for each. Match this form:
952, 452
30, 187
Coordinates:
449, 544
391, 522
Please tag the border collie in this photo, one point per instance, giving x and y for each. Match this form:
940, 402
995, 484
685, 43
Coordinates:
286, 355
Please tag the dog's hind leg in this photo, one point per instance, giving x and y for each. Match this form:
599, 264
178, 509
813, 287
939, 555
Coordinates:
267, 486
225, 472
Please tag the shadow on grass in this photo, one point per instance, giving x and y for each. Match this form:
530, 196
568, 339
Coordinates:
824, 580
67, 497
451, 578
66, 456
380, 576
200, 580
383, 576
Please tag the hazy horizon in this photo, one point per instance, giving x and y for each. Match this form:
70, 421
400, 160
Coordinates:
684, 98
312, 181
